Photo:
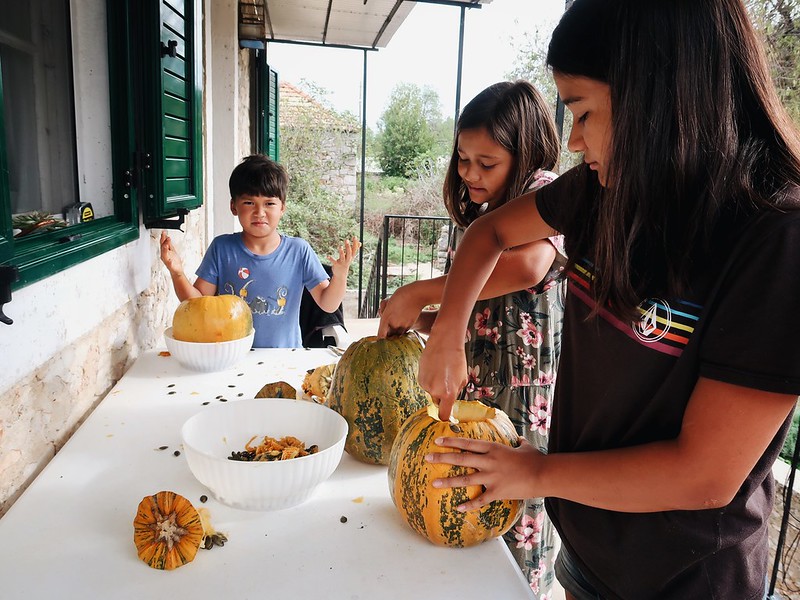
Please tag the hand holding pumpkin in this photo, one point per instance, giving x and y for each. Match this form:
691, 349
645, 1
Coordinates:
503, 471
399, 312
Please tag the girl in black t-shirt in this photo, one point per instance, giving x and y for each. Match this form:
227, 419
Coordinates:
680, 361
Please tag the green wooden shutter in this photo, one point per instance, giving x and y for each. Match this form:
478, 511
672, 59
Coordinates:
268, 108
171, 157
6, 233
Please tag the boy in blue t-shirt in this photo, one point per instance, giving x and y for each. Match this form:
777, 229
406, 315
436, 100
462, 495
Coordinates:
267, 269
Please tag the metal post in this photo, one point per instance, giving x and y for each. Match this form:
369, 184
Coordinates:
458, 70
363, 179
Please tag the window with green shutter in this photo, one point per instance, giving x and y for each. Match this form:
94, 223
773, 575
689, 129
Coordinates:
97, 124
173, 133
267, 107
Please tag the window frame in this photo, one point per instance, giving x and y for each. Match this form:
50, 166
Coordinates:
133, 124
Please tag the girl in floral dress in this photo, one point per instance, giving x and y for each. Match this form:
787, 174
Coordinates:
506, 144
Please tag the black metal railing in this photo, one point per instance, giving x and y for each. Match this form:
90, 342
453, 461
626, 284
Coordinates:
405, 245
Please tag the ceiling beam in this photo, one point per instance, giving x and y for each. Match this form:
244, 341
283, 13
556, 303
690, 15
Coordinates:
461, 3
327, 20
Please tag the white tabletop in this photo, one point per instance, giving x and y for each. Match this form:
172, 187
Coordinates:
70, 535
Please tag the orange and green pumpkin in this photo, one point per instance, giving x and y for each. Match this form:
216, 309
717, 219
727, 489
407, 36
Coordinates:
374, 387
212, 319
430, 511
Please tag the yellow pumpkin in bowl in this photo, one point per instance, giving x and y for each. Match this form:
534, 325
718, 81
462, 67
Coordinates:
212, 319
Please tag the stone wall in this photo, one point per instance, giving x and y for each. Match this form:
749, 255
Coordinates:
42, 410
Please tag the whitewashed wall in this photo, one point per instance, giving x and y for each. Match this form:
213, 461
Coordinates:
76, 333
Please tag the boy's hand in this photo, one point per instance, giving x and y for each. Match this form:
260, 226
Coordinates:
348, 250
169, 256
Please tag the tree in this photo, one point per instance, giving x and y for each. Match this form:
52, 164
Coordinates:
314, 211
407, 128
530, 64
778, 22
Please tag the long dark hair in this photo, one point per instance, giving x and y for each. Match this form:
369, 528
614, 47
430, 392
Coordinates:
698, 132
516, 116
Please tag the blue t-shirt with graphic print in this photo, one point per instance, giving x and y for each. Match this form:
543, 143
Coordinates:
272, 284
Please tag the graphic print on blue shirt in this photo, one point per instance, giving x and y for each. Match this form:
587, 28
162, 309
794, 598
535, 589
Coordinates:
271, 284
664, 325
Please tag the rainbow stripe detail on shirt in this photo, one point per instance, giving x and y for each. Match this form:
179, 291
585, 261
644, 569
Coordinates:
664, 326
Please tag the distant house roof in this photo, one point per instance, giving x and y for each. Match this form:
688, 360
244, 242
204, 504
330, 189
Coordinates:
300, 109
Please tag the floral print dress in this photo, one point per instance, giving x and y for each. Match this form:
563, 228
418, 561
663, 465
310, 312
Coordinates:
513, 345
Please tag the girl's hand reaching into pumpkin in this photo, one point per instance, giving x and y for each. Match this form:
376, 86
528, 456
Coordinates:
505, 473
443, 370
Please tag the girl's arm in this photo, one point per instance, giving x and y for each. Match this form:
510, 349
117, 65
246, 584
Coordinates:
725, 431
517, 269
442, 370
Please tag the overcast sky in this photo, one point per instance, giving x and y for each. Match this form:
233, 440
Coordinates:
423, 51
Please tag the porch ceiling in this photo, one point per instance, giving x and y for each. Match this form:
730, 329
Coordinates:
363, 23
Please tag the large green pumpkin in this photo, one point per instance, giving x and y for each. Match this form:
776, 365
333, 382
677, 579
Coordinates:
374, 387
431, 511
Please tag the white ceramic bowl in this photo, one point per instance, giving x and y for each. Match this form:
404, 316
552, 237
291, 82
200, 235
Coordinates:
208, 357
210, 436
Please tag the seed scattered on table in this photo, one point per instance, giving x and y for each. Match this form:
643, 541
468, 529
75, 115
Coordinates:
343, 519
171, 392
206, 402
223, 399
176, 453
203, 498
171, 385
163, 447
231, 385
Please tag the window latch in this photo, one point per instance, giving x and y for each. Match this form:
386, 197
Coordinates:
169, 223
170, 48
8, 275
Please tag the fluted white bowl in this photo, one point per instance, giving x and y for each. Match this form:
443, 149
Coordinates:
211, 356
210, 436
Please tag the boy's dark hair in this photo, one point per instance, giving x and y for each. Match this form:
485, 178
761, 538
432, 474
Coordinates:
516, 116
697, 132
259, 175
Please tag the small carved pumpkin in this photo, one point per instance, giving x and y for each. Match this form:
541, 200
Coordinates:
212, 319
167, 530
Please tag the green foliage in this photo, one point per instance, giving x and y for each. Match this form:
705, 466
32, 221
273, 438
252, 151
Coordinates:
787, 452
407, 128
530, 64
778, 22
313, 212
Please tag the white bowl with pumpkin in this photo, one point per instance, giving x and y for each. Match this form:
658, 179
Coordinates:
210, 333
212, 436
